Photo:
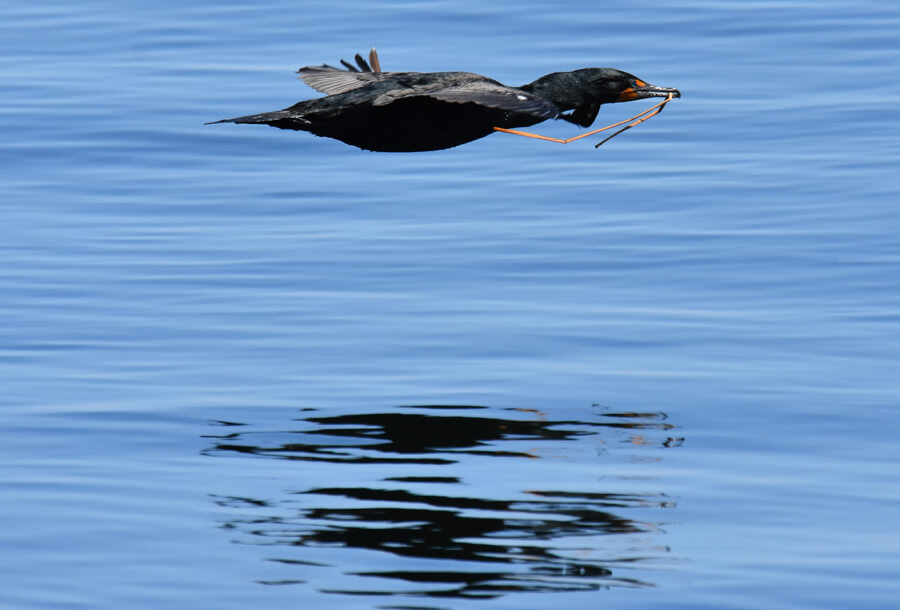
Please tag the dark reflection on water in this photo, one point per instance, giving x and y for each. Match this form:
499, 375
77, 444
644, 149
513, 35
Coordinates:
460, 501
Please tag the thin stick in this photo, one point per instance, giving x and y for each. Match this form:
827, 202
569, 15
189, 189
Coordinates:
578, 137
637, 119
638, 122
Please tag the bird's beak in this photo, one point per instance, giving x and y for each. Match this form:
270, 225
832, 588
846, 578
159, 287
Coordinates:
639, 90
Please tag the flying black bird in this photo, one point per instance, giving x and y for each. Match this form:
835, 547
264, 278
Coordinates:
415, 111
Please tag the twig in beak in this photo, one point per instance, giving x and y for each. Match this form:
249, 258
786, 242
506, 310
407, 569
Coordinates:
658, 108
635, 120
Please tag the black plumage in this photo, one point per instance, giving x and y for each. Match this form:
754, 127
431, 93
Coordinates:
417, 111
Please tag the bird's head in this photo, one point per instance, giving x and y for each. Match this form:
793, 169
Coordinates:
608, 85
584, 91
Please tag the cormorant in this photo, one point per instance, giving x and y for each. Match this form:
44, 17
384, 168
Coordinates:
416, 111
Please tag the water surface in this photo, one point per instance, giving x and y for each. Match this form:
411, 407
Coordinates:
246, 367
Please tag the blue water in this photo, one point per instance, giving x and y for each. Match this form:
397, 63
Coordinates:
245, 367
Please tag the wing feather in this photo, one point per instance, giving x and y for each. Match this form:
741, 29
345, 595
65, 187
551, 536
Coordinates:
330, 80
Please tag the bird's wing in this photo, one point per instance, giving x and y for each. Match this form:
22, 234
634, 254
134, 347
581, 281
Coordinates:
490, 94
503, 98
454, 88
330, 80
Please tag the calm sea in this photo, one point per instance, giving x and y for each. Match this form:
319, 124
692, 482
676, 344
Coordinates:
251, 368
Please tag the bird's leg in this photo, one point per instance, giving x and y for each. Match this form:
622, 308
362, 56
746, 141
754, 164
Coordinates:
635, 120
582, 116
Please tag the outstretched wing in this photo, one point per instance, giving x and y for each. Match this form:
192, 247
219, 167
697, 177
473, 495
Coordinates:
330, 80
450, 87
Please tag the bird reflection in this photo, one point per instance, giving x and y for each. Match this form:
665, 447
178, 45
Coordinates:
404, 487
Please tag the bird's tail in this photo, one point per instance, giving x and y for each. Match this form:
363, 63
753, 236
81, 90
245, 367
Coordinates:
268, 118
